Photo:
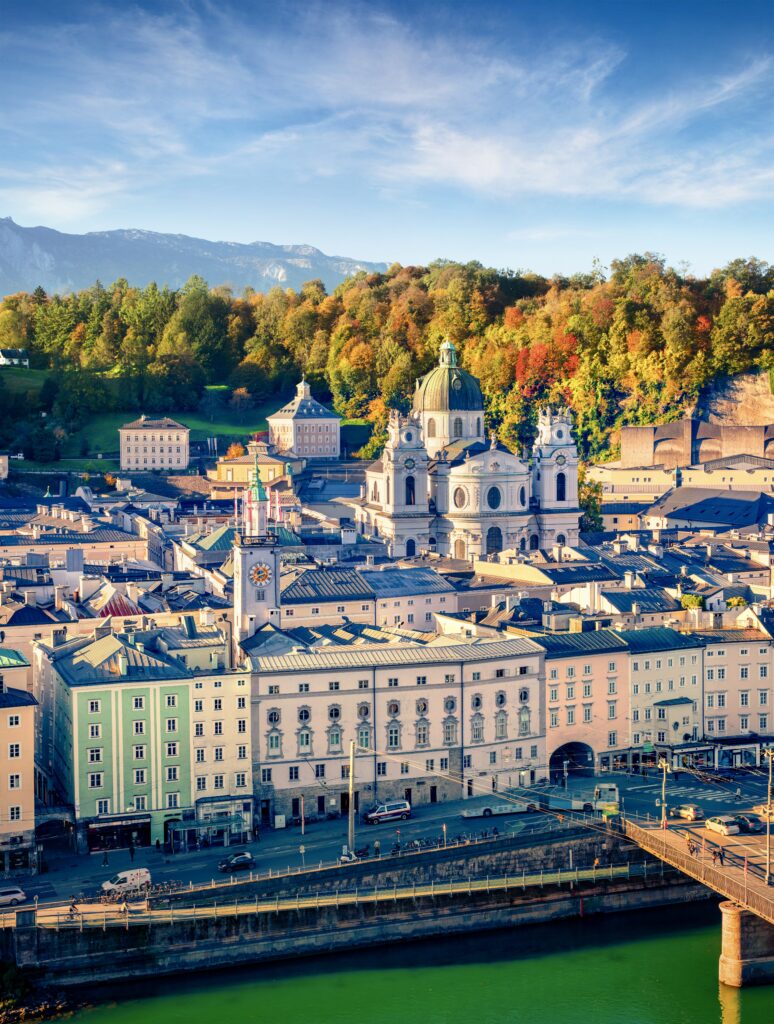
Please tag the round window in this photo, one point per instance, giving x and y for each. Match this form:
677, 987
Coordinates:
393, 708
476, 702
304, 715
363, 711
450, 704
408, 435
560, 434
460, 497
493, 497
523, 695
334, 713
274, 717
421, 707
500, 700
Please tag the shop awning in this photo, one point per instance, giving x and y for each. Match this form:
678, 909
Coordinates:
120, 822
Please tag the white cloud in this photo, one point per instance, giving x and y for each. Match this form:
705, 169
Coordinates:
131, 101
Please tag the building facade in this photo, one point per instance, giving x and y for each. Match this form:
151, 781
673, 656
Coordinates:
148, 444
17, 773
305, 427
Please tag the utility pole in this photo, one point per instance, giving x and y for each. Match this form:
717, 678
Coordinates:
770, 755
664, 766
351, 822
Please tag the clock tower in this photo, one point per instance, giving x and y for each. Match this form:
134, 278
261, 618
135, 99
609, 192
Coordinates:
256, 564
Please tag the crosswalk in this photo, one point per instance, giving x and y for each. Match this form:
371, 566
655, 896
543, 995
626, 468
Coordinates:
690, 794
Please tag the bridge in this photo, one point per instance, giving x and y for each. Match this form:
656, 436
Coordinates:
747, 955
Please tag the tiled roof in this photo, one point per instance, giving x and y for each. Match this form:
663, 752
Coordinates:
165, 423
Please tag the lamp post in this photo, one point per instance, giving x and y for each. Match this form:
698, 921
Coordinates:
664, 766
769, 754
351, 821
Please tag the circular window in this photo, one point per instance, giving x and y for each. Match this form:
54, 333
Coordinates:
523, 496
393, 708
363, 711
409, 435
523, 695
476, 702
274, 717
450, 704
560, 434
500, 700
421, 707
334, 713
493, 497
304, 715
457, 384
460, 497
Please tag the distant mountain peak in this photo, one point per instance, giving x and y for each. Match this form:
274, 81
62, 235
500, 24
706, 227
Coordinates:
62, 262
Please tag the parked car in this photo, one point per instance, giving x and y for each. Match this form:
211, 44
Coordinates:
393, 811
689, 812
237, 862
725, 824
749, 823
11, 896
764, 811
126, 881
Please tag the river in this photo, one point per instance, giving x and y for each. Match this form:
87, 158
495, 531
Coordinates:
658, 967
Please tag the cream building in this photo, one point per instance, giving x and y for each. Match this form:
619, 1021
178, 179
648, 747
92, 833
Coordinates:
305, 427
17, 769
154, 444
440, 486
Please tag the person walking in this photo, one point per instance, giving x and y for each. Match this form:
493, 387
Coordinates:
721, 856
714, 856
105, 862
377, 848
131, 852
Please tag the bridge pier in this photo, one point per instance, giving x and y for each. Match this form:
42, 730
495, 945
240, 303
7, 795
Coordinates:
747, 951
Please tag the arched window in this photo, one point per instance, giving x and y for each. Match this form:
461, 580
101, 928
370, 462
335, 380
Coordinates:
431, 428
522, 496
457, 428
411, 548
459, 549
411, 496
534, 542
561, 487
561, 540
523, 544
501, 725
494, 540
450, 732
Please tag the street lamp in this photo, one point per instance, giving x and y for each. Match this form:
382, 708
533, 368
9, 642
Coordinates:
664, 766
769, 754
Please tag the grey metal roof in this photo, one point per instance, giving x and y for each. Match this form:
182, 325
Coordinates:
374, 657
657, 638
404, 582
567, 645
650, 599
73, 539
335, 584
672, 702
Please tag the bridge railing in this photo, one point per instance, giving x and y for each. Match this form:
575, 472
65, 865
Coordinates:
101, 916
745, 891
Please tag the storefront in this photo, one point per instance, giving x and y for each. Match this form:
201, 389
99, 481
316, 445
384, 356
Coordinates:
118, 832
738, 755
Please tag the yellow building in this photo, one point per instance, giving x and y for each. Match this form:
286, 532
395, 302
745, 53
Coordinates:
230, 475
17, 767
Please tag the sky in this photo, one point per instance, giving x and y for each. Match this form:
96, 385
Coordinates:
539, 136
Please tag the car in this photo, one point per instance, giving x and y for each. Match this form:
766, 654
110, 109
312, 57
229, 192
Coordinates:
765, 811
749, 823
725, 824
237, 862
689, 812
12, 896
393, 811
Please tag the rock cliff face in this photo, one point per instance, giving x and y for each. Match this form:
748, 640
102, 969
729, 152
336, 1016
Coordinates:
63, 263
744, 400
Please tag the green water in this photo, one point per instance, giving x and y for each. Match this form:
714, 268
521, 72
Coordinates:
654, 968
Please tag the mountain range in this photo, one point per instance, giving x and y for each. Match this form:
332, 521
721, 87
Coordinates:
64, 263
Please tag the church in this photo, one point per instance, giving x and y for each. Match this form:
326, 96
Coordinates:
442, 486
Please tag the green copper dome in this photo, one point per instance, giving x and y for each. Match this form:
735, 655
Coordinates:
447, 387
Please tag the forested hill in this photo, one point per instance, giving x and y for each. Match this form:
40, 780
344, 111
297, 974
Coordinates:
632, 345
63, 263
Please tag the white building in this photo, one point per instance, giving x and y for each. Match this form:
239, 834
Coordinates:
441, 486
305, 427
154, 444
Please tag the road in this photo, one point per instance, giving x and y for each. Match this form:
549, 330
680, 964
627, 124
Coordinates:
323, 841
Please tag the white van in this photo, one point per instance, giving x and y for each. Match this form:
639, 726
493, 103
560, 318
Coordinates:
126, 881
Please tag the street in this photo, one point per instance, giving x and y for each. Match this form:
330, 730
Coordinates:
322, 842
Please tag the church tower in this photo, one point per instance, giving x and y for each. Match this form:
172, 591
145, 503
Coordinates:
555, 478
256, 564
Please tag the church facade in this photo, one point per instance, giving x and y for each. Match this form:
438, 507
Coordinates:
442, 486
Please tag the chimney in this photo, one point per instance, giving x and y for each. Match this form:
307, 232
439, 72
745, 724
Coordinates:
30, 598
636, 609
628, 579
59, 593
58, 636
123, 663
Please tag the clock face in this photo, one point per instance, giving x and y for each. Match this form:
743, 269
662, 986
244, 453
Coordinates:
561, 460
260, 574
410, 463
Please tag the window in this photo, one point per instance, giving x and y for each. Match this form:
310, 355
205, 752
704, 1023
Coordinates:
240, 780
571, 716
217, 728
139, 776
449, 678
586, 712
362, 684
218, 753
612, 739
444, 764
744, 723
304, 741
554, 719
275, 689
103, 807
393, 737
140, 803
450, 733
266, 774
662, 713
763, 671
744, 698
139, 728
241, 703
139, 752
554, 693
14, 750
198, 705
292, 773
467, 761
95, 780
199, 729
501, 725
173, 800
721, 700
95, 706
217, 704
763, 722
421, 680
95, 755
334, 685
173, 773
95, 731
201, 783
392, 681
710, 700
14, 781
171, 700
364, 737
138, 703
430, 765
422, 734
302, 688
171, 725
586, 690
172, 750
242, 752
763, 696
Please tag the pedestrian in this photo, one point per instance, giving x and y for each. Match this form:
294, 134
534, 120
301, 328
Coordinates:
124, 908
158, 846
131, 852
105, 861
377, 848
714, 856
738, 795
721, 856
596, 862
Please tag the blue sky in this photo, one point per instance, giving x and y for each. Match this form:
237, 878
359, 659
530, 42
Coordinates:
525, 135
